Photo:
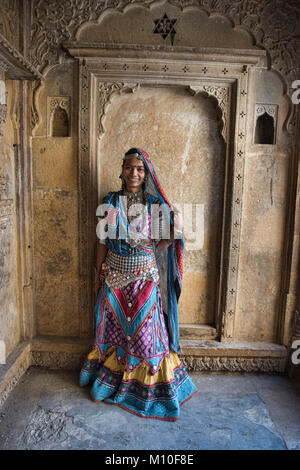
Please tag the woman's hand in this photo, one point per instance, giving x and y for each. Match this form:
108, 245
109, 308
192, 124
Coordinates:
97, 286
163, 244
98, 281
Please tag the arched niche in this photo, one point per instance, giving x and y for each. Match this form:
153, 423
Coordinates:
58, 116
181, 131
265, 124
60, 123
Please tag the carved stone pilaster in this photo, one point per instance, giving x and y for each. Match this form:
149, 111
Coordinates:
84, 208
227, 325
231, 235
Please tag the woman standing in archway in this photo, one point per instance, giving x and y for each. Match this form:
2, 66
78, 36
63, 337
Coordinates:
134, 363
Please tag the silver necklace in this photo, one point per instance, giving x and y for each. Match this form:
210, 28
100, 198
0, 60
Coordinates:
133, 198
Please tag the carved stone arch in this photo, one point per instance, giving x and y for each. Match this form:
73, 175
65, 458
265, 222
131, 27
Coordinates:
220, 97
106, 92
217, 94
184, 7
123, 8
232, 18
48, 35
255, 19
37, 87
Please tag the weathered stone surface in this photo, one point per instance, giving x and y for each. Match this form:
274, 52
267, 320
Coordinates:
44, 425
230, 411
56, 264
10, 329
55, 163
16, 365
263, 236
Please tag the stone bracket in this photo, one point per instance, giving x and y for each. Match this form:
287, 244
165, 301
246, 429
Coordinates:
106, 93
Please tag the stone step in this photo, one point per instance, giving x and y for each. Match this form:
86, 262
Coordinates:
202, 347
216, 356
192, 331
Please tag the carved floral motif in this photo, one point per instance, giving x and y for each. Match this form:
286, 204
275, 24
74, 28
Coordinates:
233, 364
54, 22
274, 25
221, 94
106, 92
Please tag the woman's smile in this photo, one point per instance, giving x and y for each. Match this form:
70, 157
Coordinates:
133, 174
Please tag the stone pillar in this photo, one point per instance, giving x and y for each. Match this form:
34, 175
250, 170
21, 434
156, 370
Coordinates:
3, 106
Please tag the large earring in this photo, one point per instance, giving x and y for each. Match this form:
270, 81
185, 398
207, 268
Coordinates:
123, 182
145, 182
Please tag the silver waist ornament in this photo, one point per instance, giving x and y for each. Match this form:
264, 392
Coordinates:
120, 270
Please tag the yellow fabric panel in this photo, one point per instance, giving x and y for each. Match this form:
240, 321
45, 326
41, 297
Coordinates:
141, 373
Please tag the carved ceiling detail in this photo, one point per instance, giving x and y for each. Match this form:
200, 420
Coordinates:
55, 22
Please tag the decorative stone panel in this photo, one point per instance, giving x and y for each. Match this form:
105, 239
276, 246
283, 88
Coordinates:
103, 76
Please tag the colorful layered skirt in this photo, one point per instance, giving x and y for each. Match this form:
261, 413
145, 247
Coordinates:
131, 364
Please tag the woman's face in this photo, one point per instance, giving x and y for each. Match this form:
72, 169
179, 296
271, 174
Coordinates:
133, 174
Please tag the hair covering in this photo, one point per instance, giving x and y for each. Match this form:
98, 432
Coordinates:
170, 260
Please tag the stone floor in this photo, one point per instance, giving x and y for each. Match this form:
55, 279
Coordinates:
48, 410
